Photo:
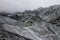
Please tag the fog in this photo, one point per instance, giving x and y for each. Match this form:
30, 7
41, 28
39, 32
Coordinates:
21, 5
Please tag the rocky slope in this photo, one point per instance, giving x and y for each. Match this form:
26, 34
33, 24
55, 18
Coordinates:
39, 24
5, 31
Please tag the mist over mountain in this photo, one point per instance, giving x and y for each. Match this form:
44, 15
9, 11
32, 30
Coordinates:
38, 24
21, 5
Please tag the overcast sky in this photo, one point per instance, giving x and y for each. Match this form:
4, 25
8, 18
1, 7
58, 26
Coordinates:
21, 5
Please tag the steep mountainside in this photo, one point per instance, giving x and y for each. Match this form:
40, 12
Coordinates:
39, 24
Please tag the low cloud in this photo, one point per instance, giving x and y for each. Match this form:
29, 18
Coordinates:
21, 5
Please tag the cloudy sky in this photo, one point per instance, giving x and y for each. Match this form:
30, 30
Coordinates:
21, 5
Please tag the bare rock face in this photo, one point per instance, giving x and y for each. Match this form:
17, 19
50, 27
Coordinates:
39, 24
6, 33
